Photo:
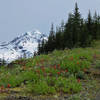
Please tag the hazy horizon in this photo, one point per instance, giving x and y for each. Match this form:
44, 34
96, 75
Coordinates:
20, 16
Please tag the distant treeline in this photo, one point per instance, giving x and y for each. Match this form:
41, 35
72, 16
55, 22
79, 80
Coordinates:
2, 62
76, 32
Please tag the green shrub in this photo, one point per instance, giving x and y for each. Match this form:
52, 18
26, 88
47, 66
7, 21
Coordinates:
51, 81
38, 88
80, 75
98, 64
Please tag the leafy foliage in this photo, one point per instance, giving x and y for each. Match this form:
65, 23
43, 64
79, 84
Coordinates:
59, 71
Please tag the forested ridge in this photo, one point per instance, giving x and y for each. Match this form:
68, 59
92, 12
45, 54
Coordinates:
76, 32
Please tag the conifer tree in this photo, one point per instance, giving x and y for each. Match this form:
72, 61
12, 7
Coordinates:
76, 26
51, 39
89, 24
68, 32
98, 31
84, 38
95, 26
62, 26
39, 49
43, 46
58, 38
72, 29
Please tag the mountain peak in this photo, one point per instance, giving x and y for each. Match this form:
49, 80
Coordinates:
26, 43
35, 32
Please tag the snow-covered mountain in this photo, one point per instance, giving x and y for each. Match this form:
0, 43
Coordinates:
26, 44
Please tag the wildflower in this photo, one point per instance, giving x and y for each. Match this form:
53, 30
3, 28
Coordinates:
78, 63
58, 73
58, 65
55, 67
2, 87
8, 86
71, 58
78, 80
43, 69
66, 70
62, 71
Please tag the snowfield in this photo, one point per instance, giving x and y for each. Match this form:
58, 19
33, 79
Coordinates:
25, 44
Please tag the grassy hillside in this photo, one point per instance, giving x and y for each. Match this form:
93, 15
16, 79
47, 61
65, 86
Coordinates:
69, 74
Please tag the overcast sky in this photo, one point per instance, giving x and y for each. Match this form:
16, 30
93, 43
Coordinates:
19, 16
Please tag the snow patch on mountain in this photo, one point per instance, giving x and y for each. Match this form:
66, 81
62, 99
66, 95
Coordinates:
25, 44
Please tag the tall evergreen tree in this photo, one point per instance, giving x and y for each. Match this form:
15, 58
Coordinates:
72, 29
43, 46
58, 38
39, 49
98, 31
76, 26
89, 24
84, 38
68, 32
95, 26
62, 26
51, 39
